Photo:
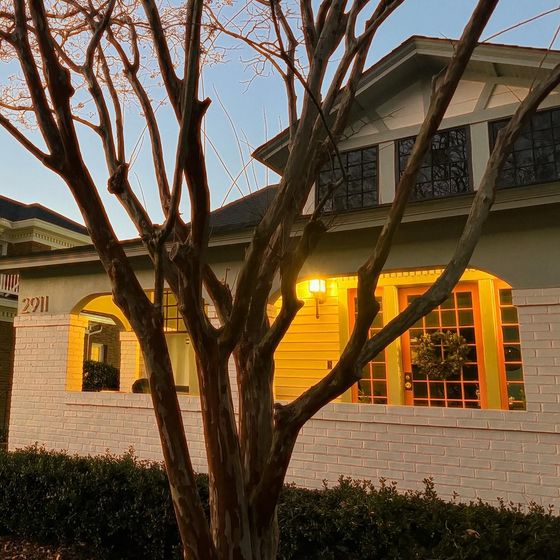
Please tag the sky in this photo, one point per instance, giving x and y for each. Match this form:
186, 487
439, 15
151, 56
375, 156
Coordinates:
256, 108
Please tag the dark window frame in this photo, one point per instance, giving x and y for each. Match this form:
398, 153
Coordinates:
334, 210
492, 136
468, 146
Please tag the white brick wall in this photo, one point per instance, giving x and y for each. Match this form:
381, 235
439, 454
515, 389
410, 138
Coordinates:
476, 453
130, 361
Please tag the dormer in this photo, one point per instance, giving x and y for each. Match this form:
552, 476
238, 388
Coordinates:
391, 104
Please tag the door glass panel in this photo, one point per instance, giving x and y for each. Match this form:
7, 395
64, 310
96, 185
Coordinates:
511, 352
462, 390
372, 388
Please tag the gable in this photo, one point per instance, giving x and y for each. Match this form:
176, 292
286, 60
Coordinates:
407, 107
394, 95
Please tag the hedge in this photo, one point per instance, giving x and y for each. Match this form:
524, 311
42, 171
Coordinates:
98, 376
119, 508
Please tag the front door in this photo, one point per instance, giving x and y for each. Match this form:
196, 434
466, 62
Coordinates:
460, 314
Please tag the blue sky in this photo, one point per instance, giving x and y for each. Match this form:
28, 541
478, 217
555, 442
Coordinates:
250, 107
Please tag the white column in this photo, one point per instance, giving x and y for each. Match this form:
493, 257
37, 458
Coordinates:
130, 361
48, 361
480, 151
539, 328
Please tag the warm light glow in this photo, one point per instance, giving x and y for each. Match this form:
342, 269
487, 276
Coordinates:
317, 287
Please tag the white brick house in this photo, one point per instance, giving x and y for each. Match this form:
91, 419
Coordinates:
492, 431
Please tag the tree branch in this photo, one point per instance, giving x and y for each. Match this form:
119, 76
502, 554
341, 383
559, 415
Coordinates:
45, 159
47, 124
291, 417
289, 272
308, 25
131, 72
170, 79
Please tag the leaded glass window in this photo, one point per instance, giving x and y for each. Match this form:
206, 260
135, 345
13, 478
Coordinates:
360, 189
446, 167
535, 157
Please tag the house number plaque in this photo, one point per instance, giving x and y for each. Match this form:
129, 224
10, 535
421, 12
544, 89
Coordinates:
38, 304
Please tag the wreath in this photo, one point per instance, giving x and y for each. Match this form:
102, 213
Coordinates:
440, 355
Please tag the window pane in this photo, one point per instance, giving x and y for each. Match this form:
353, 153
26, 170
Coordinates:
360, 189
372, 388
511, 352
535, 156
459, 389
445, 170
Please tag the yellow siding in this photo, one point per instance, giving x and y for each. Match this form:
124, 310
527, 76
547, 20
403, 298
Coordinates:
302, 356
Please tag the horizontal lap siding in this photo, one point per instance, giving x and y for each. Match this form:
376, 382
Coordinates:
302, 356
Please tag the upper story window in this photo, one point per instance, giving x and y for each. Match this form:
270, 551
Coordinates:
535, 157
360, 189
446, 167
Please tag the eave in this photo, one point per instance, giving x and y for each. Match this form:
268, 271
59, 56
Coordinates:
458, 206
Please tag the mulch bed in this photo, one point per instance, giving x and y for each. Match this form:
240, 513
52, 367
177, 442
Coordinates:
12, 548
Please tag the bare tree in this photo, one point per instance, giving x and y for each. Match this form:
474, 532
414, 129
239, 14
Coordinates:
76, 53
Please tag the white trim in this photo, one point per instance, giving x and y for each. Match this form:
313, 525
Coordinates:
101, 319
35, 229
7, 312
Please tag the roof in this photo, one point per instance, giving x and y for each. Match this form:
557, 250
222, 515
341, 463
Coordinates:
432, 47
243, 213
15, 211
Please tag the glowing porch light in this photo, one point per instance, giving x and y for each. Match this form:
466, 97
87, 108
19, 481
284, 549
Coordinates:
318, 289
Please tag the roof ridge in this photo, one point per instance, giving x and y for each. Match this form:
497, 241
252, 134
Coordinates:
57, 214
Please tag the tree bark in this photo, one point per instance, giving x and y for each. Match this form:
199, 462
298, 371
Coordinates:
229, 506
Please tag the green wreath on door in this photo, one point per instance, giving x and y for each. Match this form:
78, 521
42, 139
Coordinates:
440, 355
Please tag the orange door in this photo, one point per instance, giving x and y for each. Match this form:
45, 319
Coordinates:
459, 313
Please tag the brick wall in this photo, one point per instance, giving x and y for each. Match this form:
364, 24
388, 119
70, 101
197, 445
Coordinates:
48, 361
110, 337
476, 453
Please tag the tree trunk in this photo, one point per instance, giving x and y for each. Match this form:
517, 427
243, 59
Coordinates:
182, 482
265, 538
256, 400
229, 511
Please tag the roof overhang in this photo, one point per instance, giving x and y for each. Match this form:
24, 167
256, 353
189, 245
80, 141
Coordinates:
420, 57
221, 245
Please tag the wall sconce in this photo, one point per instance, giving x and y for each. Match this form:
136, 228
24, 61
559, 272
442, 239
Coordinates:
318, 289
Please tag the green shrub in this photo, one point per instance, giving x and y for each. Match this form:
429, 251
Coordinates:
99, 376
119, 507
355, 520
